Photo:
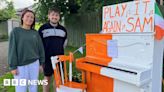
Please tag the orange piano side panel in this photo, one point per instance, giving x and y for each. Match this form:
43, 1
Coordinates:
96, 47
99, 83
94, 80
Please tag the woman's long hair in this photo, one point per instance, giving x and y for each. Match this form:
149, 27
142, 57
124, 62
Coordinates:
24, 12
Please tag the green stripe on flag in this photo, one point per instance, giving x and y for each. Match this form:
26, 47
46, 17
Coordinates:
157, 10
159, 21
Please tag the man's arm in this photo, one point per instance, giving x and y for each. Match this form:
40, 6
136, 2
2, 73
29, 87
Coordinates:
65, 43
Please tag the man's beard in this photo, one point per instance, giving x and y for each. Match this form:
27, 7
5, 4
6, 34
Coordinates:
54, 22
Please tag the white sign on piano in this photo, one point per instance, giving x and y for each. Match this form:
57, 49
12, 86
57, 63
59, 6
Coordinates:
129, 17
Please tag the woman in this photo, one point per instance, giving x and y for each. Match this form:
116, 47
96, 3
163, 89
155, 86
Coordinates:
25, 53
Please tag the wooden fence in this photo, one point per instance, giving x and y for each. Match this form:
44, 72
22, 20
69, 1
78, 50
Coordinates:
78, 25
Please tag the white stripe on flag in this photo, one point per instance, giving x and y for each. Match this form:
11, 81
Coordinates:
159, 21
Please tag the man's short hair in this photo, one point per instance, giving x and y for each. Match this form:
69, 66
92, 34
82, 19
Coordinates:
54, 9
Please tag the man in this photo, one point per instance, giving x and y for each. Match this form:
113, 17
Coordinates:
54, 37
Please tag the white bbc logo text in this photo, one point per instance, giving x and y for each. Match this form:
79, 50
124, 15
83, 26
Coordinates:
23, 82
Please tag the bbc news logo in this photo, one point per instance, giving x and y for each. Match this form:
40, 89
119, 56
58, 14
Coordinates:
23, 82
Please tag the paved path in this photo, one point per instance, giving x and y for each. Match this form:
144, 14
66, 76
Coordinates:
3, 57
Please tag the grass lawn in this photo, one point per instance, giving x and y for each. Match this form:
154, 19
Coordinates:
9, 75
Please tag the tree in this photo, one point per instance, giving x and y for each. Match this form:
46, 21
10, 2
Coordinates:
66, 6
96, 5
8, 11
72, 6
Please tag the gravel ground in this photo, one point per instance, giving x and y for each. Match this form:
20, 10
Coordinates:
3, 58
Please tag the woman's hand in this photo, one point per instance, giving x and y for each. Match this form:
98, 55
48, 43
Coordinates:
14, 72
40, 68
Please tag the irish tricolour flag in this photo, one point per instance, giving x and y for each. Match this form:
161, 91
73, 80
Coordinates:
159, 23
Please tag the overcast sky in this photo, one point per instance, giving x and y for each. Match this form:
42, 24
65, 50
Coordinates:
22, 3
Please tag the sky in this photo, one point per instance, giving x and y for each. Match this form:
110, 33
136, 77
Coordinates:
22, 3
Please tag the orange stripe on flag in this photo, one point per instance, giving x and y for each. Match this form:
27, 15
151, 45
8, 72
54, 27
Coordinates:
159, 33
